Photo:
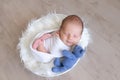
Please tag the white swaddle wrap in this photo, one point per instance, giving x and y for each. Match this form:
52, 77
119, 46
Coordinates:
53, 45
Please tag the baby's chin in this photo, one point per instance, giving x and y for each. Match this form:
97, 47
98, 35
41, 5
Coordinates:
70, 44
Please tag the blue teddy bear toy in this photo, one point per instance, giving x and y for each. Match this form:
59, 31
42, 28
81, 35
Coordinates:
69, 59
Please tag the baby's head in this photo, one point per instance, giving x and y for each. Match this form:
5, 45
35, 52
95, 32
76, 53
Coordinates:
70, 30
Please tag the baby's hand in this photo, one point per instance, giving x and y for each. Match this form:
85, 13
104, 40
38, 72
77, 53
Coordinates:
36, 43
41, 48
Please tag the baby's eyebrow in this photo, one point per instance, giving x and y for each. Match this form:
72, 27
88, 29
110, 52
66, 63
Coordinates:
65, 32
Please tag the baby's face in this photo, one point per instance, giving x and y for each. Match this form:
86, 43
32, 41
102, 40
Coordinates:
70, 34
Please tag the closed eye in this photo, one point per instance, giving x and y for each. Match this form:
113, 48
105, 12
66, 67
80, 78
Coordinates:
75, 36
65, 33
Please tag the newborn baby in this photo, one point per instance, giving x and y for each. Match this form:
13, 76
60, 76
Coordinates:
67, 36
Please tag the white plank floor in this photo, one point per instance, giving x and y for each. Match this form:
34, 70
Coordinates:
102, 17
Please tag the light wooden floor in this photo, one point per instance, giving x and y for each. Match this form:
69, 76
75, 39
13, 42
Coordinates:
102, 18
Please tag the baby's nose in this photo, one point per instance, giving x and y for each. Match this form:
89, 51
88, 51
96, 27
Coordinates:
70, 37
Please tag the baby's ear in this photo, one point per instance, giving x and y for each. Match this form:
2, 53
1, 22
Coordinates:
57, 33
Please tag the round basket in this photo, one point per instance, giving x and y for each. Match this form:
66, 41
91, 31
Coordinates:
50, 22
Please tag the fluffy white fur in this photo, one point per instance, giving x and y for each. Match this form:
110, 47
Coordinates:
49, 22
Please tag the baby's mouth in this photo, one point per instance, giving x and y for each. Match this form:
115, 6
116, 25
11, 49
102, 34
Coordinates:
69, 42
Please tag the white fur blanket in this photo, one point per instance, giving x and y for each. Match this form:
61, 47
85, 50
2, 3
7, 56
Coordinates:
49, 22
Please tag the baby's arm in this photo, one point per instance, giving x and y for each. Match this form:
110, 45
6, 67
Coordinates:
39, 43
42, 48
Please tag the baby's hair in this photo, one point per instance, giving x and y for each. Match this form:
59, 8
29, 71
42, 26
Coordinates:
73, 19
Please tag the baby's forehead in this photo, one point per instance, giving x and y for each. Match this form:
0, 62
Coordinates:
72, 30
72, 25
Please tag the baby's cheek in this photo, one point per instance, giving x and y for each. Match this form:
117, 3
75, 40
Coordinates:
63, 38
